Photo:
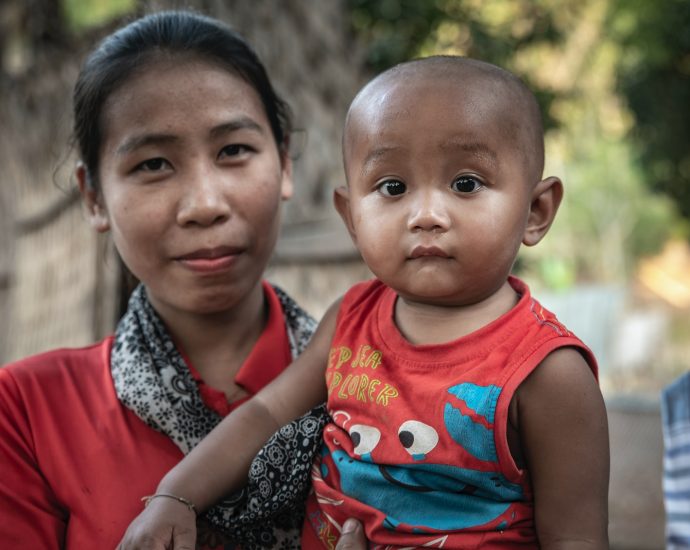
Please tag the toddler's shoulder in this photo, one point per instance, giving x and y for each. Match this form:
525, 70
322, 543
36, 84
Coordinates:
363, 292
565, 372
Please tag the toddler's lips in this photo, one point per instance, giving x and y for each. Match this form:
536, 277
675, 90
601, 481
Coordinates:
421, 251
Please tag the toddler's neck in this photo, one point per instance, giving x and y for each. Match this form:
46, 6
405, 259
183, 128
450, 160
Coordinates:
424, 323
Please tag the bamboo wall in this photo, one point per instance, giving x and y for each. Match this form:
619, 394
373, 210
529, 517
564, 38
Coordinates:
60, 284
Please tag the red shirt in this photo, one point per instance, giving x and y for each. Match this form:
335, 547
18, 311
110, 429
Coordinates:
74, 462
417, 447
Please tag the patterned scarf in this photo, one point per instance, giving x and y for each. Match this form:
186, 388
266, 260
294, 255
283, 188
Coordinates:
152, 379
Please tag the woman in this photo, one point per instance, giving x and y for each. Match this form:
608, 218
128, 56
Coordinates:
184, 161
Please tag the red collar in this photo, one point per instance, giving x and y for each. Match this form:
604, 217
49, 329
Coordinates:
269, 356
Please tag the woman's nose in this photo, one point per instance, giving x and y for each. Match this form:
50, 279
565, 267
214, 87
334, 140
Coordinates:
205, 199
429, 212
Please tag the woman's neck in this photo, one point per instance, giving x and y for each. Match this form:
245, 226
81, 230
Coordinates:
217, 344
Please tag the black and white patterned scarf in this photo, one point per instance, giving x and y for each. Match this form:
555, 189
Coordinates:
152, 379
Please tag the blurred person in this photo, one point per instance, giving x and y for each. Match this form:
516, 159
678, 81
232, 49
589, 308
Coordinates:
675, 417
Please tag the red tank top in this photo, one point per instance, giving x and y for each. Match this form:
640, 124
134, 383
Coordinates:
417, 448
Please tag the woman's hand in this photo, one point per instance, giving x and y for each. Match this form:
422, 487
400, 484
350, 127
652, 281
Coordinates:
165, 524
352, 537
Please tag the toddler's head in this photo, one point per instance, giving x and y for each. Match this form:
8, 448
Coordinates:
444, 159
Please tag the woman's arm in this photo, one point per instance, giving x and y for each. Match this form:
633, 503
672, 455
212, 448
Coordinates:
220, 463
564, 435
30, 515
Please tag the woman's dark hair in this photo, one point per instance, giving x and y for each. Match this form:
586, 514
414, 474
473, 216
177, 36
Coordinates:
176, 32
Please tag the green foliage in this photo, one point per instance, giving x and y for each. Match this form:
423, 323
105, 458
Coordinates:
399, 30
609, 218
396, 30
393, 29
83, 14
655, 79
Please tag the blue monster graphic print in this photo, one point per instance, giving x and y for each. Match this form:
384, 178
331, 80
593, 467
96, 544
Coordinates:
427, 496
430, 497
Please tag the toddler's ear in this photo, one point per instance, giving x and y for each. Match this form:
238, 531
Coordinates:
341, 199
546, 198
95, 209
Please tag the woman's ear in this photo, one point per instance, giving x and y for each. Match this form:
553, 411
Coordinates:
95, 209
286, 186
341, 199
546, 198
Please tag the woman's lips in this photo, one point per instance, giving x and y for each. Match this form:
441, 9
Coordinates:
210, 260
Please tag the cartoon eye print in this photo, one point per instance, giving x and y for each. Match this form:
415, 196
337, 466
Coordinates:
419, 439
364, 438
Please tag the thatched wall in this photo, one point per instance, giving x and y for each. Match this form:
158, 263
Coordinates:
58, 284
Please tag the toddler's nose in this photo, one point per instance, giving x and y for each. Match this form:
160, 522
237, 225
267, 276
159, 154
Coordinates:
429, 212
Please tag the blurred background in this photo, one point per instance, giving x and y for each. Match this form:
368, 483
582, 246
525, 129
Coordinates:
613, 79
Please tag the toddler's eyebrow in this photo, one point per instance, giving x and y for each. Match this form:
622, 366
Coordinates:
480, 151
376, 154
476, 148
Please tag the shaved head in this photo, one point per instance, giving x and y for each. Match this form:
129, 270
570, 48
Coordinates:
493, 92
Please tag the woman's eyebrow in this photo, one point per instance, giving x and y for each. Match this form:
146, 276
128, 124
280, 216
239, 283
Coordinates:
240, 123
135, 142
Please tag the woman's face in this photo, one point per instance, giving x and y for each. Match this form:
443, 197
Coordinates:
191, 182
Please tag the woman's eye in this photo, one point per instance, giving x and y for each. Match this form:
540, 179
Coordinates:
466, 184
233, 150
392, 188
153, 165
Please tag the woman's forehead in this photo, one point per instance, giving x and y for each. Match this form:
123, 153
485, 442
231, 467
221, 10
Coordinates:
169, 98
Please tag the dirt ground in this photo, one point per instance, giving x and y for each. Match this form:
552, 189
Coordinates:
636, 513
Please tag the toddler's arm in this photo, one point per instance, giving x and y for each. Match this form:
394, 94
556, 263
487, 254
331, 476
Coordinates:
219, 465
564, 436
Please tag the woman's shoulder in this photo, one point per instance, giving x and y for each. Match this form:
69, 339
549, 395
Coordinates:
60, 363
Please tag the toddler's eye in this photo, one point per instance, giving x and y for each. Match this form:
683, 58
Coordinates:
466, 184
392, 188
153, 165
